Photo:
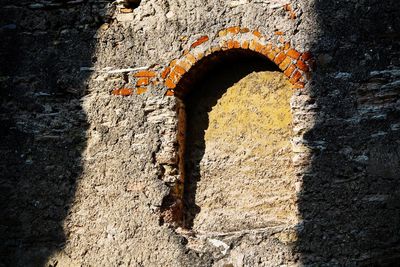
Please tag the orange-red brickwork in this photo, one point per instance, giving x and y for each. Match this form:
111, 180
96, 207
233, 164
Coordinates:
122, 91
145, 73
200, 41
294, 64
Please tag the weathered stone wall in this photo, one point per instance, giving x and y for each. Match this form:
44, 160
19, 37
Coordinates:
85, 173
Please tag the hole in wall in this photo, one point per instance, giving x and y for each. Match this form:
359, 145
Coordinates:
131, 3
228, 158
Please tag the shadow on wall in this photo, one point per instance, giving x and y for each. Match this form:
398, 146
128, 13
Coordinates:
350, 196
42, 122
222, 71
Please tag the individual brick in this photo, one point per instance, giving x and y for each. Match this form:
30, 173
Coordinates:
174, 76
285, 63
186, 65
295, 77
245, 44
299, 85
278, 33
189, 57
222, 33
230, 44
301, 65
258, 47
279, 58
286, 46
141, 90
233, 30
306, 56
165, 72
257, 33
143, 81
271, 55
244, 30
289, 70
199, 41
145, 73
180, 70
173, 63
169, 93
293, 54
122, 91
266, 49
255, 46
236, 44
169, 83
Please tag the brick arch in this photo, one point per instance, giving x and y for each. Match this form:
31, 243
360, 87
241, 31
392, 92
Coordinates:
296, 65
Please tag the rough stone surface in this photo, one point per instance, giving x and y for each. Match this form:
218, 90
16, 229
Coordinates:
85, 175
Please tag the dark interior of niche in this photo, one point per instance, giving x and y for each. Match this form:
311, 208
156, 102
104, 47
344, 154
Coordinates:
200, 89
131, 3
226, 67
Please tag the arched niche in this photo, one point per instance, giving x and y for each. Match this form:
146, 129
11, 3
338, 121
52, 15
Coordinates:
234, 136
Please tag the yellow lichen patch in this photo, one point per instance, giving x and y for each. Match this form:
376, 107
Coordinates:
247, 178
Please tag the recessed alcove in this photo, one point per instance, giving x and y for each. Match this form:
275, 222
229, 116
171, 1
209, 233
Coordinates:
234, 142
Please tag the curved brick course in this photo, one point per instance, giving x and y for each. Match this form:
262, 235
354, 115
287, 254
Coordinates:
296, 65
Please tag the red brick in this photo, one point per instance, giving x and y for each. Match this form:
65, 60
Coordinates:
289, 70
169, 93
142, 82
301, 65
173, 62
174, 76
165, 73
200, 41
122, 91
298, 85
258, 47
236, 44
257, 33
287, 46
244, 30
293, 54
180, 70
295, 77
245, 44
279, 58
230, 44
141, 90
306, 56
169, 83
278, 33
285, 63
233, 30
145, 73
271, 55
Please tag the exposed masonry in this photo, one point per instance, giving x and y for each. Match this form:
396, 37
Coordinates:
296, 65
